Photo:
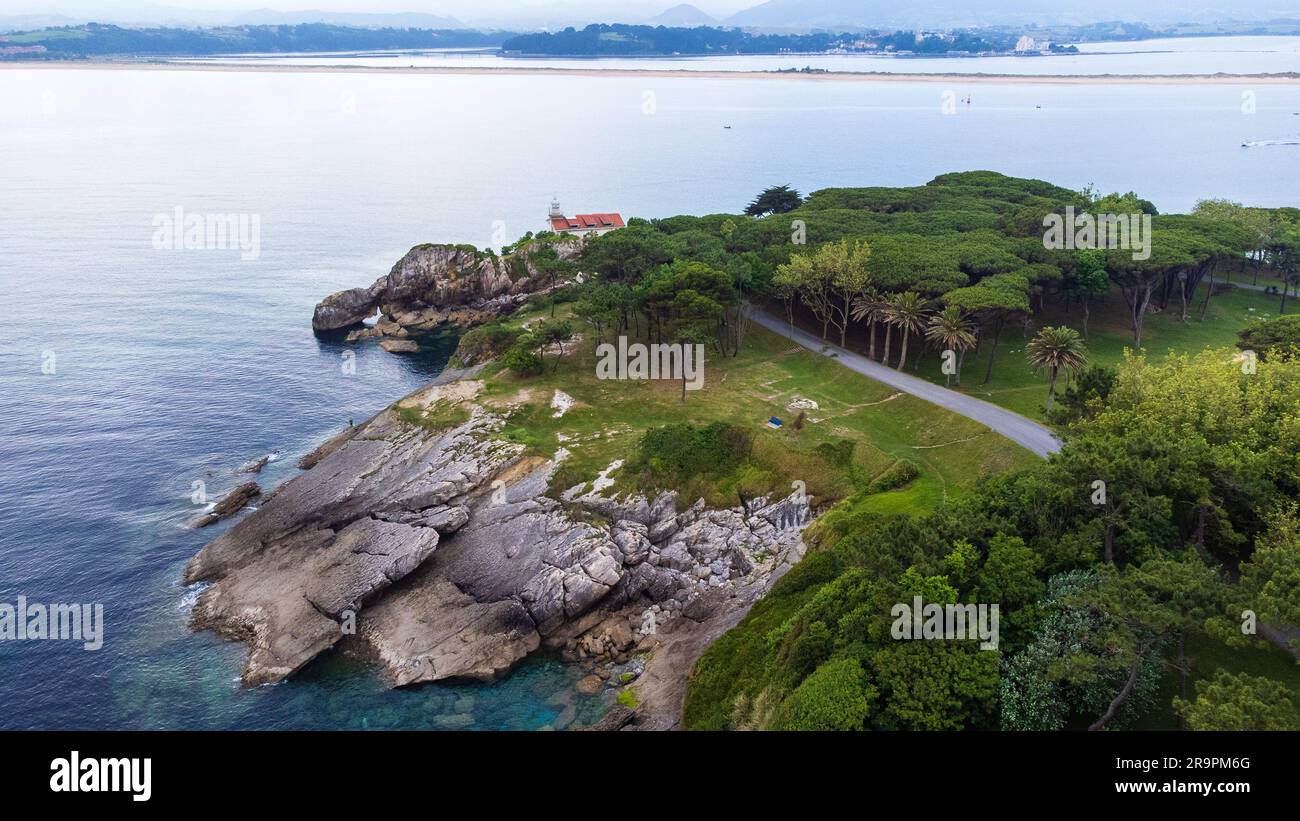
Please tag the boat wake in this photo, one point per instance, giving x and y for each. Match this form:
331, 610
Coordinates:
1261, 143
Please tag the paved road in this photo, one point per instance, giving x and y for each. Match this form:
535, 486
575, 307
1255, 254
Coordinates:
1250, 287
1025, 432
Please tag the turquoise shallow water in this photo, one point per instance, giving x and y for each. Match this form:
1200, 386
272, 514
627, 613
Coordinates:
179, 366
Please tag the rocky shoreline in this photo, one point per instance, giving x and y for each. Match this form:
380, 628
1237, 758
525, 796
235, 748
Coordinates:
437, 285
442, 552
445, 555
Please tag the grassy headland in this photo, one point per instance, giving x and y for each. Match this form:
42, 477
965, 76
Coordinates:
1120, 566
859, 430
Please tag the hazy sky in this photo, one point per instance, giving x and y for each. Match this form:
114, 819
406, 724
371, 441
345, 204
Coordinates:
560, 12
453, 8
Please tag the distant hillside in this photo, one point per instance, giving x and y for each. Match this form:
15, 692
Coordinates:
31, 22
683, 16
157, 16
804, 15
414, 20
623, 40
95, 40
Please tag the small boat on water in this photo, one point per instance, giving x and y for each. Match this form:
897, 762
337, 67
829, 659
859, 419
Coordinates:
1262, 143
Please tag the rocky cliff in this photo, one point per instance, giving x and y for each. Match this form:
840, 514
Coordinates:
452, 559
436, 284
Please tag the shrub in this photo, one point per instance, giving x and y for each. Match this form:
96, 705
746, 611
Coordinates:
1084, 398
523, 359
485, 342
1240, 702
835, 697
674, 453
1280, 335
738, 664
897, 475
813, 646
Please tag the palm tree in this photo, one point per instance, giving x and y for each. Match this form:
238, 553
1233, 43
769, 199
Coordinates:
952, 331
870, 307
887, 320
1057, 349
907, 313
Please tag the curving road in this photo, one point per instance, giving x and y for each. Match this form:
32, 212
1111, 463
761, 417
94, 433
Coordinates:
1027, 433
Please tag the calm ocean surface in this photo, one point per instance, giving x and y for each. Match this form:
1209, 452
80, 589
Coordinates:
177, 366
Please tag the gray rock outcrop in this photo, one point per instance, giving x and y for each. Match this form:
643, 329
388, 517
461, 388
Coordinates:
365, 516
445, 550
230, 504
436, 284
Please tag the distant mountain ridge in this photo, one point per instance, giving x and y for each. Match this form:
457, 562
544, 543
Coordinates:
270, 17
97, 40
773, 16
155, 15
684, 15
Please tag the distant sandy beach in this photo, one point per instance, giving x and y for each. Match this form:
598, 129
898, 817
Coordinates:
546, 71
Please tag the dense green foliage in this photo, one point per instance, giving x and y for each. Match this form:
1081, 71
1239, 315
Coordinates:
1240, 702
1106, 562
1275, 336
622, 39
1098, 592
674, 454
905, 273
522, 358
485, 342
835, 696
96, 39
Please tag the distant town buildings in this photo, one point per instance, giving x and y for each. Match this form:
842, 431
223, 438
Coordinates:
1028, 45
582, 225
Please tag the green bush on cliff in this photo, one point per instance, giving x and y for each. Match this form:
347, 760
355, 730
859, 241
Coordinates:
734, 668
897, 475
820, 643
523, 359
485, 342
673, 454
835, 697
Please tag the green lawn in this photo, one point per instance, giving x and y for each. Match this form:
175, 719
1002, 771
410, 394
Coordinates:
949, 450
881, 426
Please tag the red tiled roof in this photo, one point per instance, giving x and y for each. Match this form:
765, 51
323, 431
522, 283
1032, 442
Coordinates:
586, 222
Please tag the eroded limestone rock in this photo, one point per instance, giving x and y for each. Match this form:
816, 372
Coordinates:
454, 576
